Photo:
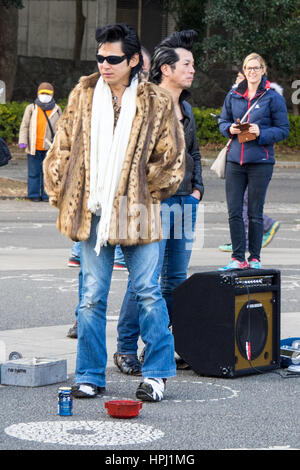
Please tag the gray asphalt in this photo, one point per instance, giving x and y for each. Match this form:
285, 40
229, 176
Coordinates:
39, 296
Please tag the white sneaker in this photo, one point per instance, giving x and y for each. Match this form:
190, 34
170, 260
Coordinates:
86, 390
151, 390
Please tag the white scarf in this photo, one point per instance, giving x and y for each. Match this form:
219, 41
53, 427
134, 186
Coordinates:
108, 149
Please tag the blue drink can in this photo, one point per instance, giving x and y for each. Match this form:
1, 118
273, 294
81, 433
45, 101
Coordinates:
65, 401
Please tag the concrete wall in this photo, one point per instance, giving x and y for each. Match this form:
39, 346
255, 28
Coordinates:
62, 73
2, 92
208, 90
47, 28
46, 39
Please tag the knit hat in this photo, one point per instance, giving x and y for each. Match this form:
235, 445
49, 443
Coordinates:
45, 88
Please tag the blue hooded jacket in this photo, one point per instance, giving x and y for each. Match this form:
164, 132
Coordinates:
270, 114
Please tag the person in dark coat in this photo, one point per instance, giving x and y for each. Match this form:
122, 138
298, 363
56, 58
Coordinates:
271, 226
251, 163
172, 68
5, 154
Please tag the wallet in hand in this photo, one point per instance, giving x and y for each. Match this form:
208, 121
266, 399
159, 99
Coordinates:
245, 135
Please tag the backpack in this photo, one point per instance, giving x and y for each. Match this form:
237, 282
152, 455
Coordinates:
5, 155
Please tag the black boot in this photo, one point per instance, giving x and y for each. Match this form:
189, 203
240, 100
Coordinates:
72, 333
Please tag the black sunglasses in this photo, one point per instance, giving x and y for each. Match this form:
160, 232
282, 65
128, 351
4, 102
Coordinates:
110, 59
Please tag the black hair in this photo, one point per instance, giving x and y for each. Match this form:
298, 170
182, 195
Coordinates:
165, 52
184, 39
129, 39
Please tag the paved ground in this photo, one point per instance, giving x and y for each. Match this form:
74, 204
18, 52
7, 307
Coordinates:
39, 296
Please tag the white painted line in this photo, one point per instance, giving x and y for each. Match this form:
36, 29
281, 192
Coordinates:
85, 433
284, 447
229, 392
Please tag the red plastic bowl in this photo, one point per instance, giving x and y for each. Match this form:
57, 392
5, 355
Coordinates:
123, 408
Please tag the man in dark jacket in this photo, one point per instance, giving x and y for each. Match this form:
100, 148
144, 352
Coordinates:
172, 68
5, 154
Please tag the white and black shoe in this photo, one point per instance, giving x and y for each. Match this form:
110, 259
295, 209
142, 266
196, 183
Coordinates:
86, 390
151, 390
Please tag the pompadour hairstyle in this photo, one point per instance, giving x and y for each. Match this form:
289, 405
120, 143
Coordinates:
165, 52
129, 39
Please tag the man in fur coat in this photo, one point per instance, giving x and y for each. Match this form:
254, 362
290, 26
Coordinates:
118, 151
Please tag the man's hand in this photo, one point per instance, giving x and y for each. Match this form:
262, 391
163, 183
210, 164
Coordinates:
196, 194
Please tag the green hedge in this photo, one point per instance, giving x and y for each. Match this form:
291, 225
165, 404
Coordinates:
207, 130
10, 119
207, 127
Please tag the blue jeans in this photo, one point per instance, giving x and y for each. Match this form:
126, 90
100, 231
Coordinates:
79, 292
35, 177
75, 251
141, 261
178, 224
119, 257
257, 177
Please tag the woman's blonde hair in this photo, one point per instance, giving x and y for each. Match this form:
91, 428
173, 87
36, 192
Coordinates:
255, 56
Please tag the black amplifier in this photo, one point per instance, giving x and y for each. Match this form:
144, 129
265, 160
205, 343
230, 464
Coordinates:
228, 324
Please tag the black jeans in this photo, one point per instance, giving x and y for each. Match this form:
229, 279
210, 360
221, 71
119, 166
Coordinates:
257, 177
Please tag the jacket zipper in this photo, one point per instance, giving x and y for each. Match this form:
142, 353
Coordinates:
242, 146
266, 152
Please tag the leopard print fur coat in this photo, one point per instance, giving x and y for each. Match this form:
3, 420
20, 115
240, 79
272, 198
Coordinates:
152, 170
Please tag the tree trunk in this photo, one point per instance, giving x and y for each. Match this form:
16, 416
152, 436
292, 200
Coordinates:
9, 20
295, 109
79, 31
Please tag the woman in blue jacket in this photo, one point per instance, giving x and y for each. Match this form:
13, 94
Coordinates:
251, 163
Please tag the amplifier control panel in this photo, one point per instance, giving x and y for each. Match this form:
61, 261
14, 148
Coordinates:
246, 282
265, 281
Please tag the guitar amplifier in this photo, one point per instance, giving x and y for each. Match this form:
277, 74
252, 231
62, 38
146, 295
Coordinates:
228, 324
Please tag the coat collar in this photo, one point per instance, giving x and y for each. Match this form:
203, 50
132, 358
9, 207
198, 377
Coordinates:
242, 87
90, 81
185, 95
145, 88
